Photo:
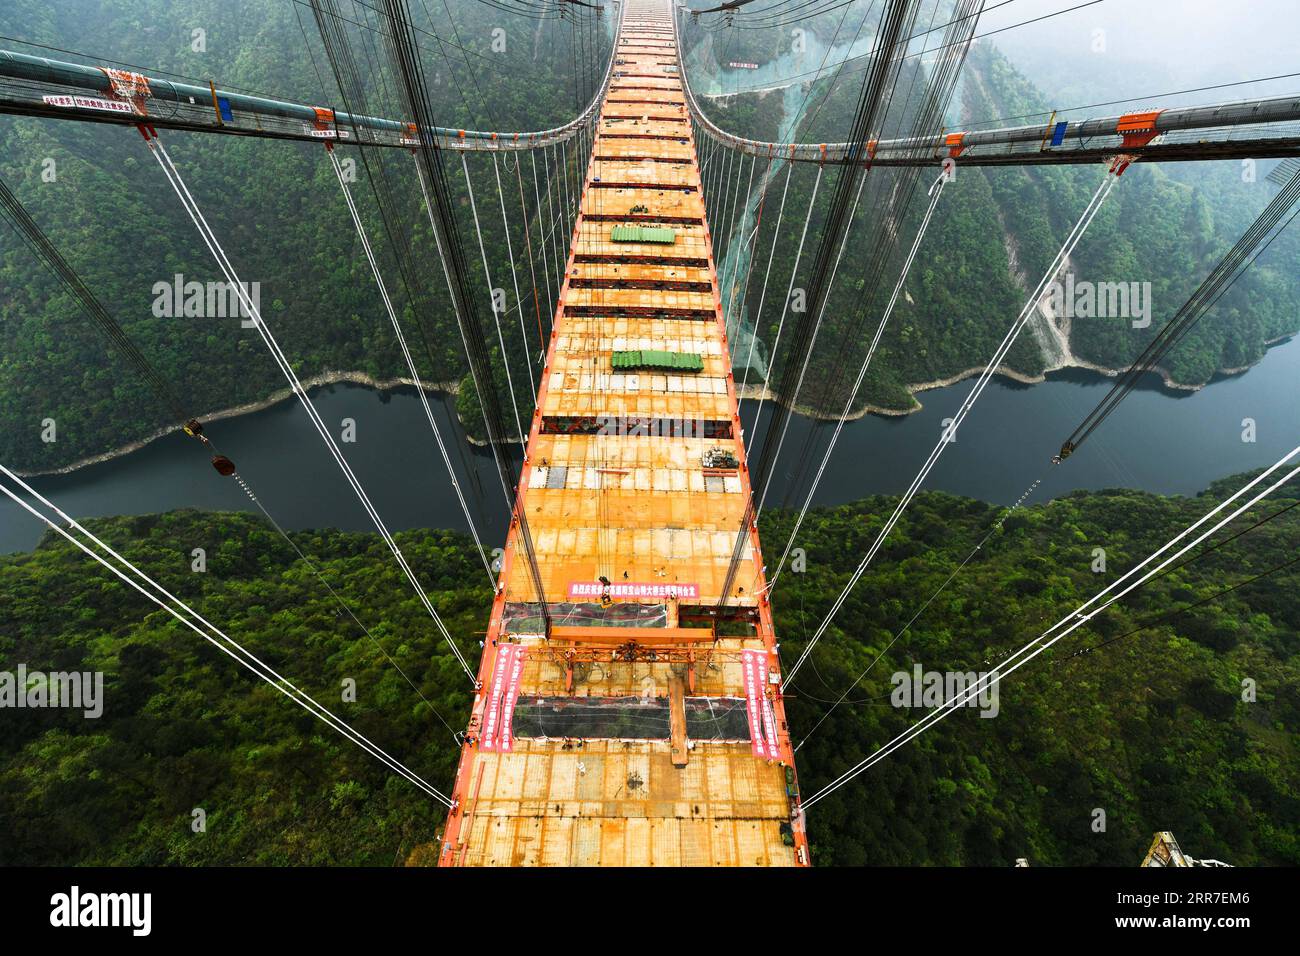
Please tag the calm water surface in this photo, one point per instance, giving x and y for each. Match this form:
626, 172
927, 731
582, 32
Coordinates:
1158, 440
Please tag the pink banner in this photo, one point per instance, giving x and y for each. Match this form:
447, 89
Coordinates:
498, 714
632, 589
88, 103
762, 721
511, 695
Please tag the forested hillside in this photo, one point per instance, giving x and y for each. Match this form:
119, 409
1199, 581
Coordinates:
994, 234
279, 213
1167, 225
276, 207
185, 727
1152, 729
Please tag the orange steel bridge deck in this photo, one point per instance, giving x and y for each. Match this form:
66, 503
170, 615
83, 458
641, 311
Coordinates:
661, 741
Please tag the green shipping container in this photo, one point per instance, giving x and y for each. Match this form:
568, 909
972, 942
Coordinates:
651, 360
658, 234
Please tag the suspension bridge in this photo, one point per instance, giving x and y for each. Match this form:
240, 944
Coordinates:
629, 705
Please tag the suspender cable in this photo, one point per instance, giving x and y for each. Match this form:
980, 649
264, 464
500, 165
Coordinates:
930, 113
210, 240
706, 175
514, 279
352, 90
727, 225
1080, 616
724, 194
729, 189
150, 588
807, 356
553, 227
750, 245
741, 213
895, 25
550, 211
480, 370
935, 191
892, 30
710, 170
789, 292
410, 365
541, 239
550, 216
471, 354
706, 167
496, 313
1080, 227
722, 168
570, 204
748, 519
571, 179
532, 267
720, 204
705, 151
735, 207
561, 195
758, 316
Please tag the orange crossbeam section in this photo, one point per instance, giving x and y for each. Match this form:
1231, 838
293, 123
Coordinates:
646, 636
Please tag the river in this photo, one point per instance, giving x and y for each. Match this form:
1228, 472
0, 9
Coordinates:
1158, 440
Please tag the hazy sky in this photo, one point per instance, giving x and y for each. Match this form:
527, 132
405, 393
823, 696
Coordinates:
1192, 42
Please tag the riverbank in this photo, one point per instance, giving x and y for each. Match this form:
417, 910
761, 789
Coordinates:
1072, 361
1160, 441
747, 392
761, 391
235, 411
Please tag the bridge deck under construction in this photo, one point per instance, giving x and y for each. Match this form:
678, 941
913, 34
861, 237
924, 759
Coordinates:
633, 734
